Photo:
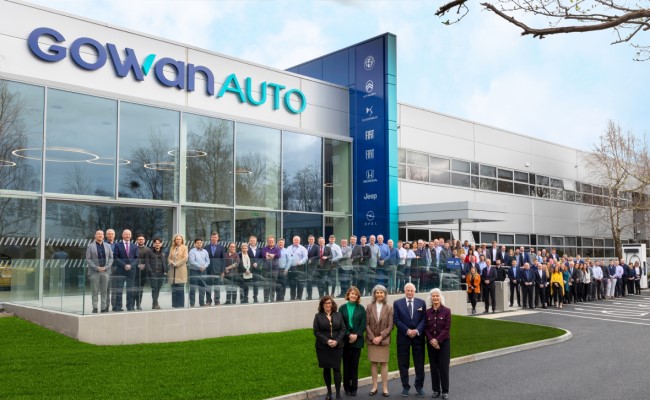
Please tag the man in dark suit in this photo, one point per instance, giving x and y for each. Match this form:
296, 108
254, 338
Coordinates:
492, 253
523, 258
257, 263
527, 279
323, 267
313, 251
513, 275
215, 270
408, 317
541, 282
488, 277
126, 262
502, 255
360, 256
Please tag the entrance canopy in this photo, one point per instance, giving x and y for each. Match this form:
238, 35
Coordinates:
457, 212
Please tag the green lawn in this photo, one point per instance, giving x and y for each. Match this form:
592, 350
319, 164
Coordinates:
38, 363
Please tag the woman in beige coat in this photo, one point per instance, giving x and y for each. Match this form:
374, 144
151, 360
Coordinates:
177, 273
379, 316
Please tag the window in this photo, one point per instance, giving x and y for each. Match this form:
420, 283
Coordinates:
522, 239
74, 118
438, 163
522, 189
401, 171
201, 222
587, 242
488, 184
521, 176
417, 173
505, 174
401, 156
543, 240
557, 183
149, 152
599, 242
506, 239
584, 188
475, 182
571, 241
487, 170
460, 180
474, 168
488, 237
542, 180
609, 242
302, 177
257, 166
337, 176
419, 159
460, 166
598, 190
557, 241
569, 195
209, 160
556, 194
441, 177
505, 186
260, 224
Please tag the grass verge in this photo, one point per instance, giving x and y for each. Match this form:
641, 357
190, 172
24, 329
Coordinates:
38, 363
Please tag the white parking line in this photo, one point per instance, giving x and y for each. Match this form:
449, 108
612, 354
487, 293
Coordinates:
573, 315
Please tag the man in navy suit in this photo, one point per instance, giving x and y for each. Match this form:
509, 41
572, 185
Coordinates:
527, 279
408, 317
488, 277
513, 275
523, 258
126, 256
215, 271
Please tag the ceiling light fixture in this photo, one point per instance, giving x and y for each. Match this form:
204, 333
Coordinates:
25, 153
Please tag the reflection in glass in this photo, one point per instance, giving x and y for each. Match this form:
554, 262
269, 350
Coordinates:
338, 171
416, 158
522, 239
506, 239
81, 141
505, 186
201, 222
149, 141
460, 180
401, 171
209, 160
257, 166
487, 170
302, 177
438, 163
439, 177
69, 228
338, 226
21, 127
522, 189
20, 225
256, 223
302, 225
488, 184
460, 166
418, 173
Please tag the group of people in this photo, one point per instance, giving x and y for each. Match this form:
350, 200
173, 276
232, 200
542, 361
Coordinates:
340, 333
542, 279
272, 270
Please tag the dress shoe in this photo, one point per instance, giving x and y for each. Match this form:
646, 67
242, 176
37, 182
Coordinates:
338, 396
94, 311
328, 397
405, 392
435, 395
510, 304
485, 312
353, 393
445, 396
372, 392
493, 311
139, 308
385, 394
118, 310
104, 310
420, 392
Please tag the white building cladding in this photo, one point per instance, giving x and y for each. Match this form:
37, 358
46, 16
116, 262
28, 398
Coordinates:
542, 192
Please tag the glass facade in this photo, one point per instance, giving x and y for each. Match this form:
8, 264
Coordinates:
115, 164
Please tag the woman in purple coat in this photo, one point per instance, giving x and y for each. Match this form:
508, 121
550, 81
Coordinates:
437, 327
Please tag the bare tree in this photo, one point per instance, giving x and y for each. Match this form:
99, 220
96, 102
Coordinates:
625, 19
612, 164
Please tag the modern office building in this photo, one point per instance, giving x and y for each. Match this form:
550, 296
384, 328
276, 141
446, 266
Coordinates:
102, 127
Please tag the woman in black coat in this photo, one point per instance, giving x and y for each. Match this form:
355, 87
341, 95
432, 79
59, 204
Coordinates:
329, 330
354, 318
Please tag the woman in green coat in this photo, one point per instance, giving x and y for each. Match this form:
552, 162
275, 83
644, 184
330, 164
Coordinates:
354, 318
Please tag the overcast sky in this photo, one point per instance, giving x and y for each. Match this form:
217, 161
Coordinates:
562, 88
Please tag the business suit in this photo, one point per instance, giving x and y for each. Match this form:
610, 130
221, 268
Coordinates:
379, 326
313, 251
527, 279
352, 351
406, 344
255, 255
321, 275
522, 259
515, 284
360, 256
122, 260
99, 279
215, 270
541, 282
489, 276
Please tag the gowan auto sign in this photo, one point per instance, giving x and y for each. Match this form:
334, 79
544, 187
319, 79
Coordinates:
183, 75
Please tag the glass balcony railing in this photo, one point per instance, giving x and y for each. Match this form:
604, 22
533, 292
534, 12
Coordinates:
67, 285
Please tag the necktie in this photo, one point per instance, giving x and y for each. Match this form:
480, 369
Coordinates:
126, 247
488, 272
410, 308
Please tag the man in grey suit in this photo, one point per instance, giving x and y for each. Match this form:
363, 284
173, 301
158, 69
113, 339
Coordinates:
99, 258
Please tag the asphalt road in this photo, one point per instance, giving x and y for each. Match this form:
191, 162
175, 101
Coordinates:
607, 358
